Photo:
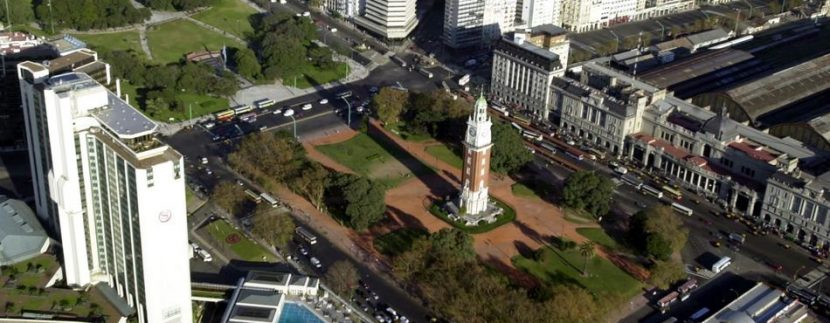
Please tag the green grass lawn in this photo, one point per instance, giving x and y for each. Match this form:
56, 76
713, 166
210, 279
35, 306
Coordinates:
171, 41
400, 129
599, 236
314, 76
507, 216
125, 41
245, 248
521, 190
398, 241
578, 216
368, 157
201, 104
443, 153
556, 266
229, 15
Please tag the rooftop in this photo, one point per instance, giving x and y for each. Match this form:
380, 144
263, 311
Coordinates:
258, 297
21, 236
755, 151
124, 120
714, 35
261, 277
782, 88
693, 66
760, 304
70, 61
66, 44
821, 125
592, 65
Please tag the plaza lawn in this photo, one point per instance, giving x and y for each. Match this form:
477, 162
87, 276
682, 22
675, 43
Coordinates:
556, 266
232, 16
376, 159
25, 292
599, 236
126, 41
244, 248
171, 41
578, 216
312, 76
399, 241
521, 190
200, 104
443, 153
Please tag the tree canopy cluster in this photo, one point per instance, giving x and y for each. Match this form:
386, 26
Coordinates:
286, 48
229, 197
87, 14
161, 84
357, 199
21, 13
443, 269
438, 115
589, 191
657, 233
271, 159
275, 228
181, 5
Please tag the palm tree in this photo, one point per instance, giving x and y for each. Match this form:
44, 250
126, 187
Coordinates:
586, 249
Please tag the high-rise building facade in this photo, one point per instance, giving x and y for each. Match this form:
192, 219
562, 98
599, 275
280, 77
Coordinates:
473, 23
390, 19
532, 13
475, 174
524, 66
114, 192
587, 15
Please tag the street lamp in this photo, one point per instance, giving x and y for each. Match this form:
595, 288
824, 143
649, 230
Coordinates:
349, 118
290, 113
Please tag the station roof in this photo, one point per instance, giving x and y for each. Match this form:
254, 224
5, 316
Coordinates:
782, 88
694, 66
21, 236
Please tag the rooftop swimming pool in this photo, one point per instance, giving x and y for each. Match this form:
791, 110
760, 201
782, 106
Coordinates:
296, 313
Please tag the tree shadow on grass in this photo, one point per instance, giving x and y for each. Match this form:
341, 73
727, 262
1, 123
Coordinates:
516, 276
405, 220
530, 232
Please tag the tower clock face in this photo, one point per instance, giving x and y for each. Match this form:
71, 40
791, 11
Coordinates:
472, 131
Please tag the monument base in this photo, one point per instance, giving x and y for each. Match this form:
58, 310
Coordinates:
487, 216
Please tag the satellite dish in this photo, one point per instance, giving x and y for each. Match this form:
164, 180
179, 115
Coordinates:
288, 113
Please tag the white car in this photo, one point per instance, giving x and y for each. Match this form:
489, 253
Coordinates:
324, 101
621, 170
316, 262
209, 125
306, 14
334, 30
306, 106
204, 160
570, 142
277, 111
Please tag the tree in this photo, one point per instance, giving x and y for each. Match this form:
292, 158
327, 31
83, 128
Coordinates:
87, 14
228, 196
247, 64
774, 7
312, 183
389, 104
588, 191
365, 203
155, 107
658, 247
275, 228
342, 278
21, 12
452, 243
657, 232
571, 303
509, 153
284, 60
664, 273
586, 249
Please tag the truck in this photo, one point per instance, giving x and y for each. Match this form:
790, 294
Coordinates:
464, 80
425, 72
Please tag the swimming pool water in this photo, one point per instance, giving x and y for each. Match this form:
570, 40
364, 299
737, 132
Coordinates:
296, 313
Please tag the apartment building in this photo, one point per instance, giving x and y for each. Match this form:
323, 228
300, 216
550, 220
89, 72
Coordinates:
797, 203
390, 19
524, 66
475, 23
587, 15
345, 8
696, 148
111, 190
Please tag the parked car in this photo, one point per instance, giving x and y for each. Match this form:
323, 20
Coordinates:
324, 101
306, 106
303, 251
204, 160
316, 262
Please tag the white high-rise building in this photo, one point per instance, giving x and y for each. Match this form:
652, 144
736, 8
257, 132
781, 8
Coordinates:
532, 13
345, 8
471, 23
114, 192
391, 19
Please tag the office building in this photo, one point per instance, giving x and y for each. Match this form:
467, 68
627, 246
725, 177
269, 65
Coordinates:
345, 8
532, 13
797, 204
111, 190
477, 23
390, 19
588, 15
524, 66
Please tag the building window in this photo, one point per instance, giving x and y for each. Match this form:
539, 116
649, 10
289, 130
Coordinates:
150, 177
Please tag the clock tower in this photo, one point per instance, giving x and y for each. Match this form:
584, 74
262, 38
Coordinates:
476, 172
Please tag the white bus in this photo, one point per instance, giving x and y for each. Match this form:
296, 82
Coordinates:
633, 180
254, 196
648, 190
264, 103
304, 234
550, 148
243, 109
681, 209
721, 264
532, 135
268, 198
